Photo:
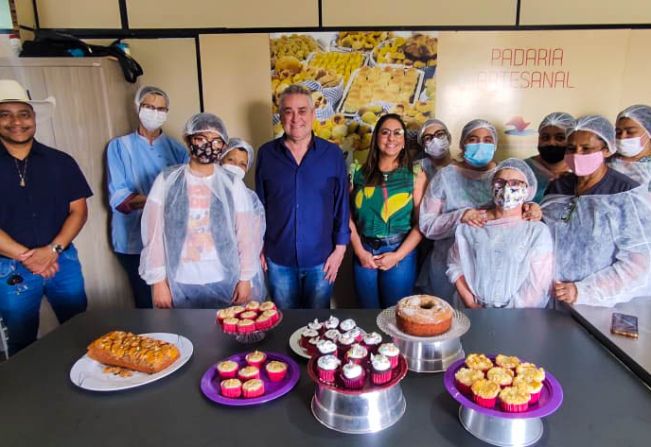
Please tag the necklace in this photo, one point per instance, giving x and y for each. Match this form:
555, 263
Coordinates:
22, 175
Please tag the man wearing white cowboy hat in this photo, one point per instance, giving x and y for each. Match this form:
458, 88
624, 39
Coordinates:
43, 208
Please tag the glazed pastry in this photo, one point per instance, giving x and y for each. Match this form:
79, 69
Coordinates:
501, 376
326, 366
380, 369
479, 361
484, 392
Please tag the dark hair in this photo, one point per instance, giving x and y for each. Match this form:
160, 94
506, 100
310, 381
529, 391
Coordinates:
372, 174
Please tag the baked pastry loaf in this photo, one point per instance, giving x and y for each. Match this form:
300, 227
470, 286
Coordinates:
423, 315
128, 350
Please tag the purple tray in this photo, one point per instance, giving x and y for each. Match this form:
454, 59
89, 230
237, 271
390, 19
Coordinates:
273, 390
550, 400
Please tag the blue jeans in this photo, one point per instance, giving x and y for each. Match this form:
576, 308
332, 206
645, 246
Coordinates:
140, 289
20, 302
379, 288
297, 287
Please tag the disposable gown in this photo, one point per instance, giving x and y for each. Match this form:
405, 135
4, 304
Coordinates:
640, 171
203, 235
601, 243
451, 192
506, 263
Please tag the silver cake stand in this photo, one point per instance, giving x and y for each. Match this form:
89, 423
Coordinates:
427, 354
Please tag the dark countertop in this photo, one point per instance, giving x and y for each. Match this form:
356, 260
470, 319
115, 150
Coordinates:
605, 403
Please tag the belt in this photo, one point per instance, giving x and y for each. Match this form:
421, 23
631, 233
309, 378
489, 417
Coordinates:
377, 242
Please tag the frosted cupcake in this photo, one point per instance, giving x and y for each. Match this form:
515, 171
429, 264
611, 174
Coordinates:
276, 371
331, 323
507, 361
390, 351
347, 325
352, 376
263, 322
372, 341
267, 305
357, 354
253, 388
248, 373
245, 326
311, 346
229, 325
327, 366
231, 388
306, 335
357, 334
501, 376
465, 377
325, 347
252, 305
531, 373
484, 392
332, 334
345, 341
316, 325
227, 369
479, 361
380, 369
248, 315
256, 358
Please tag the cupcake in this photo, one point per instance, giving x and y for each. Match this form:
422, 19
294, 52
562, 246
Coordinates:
372, 341
256, 358
380, 369
484, 392
325, 347
507, 361
532, 387
248, 373
347, 325
501, 376
311, 346
465, 377
276, 371
315, 325
267, 305
263, 322
332, 334
253, 388
479, 361
272, 314
352, 375
326, 366
230, 324
248, 315
345, 341
331, 323
252, 305
306, 335
222, 314
391, 352
231, 388
227, 369
236, 310
245, 326
532, 373
357, 354
357, 334
514, 400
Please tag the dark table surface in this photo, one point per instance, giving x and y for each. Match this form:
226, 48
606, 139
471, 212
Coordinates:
605, 403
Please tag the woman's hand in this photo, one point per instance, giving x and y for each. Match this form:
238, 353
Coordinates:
566, 292
242, 292
161, 295
366, 259
387, 261
474, 217
531, 211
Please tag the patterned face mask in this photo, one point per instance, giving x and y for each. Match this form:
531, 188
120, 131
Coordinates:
509, 197
205, 153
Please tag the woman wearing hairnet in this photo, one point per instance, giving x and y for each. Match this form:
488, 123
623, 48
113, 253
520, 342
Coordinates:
434, 137
507, 262
199, 247
133, 161
599, 219
549, 164
633, 132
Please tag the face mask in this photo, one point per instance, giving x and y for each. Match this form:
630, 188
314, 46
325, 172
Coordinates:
479, 155
509, 197
630, 147
152, 119
552, 154
235, 170
204, 154
438, 147
584, 164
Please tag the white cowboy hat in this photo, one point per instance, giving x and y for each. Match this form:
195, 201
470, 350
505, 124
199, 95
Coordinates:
12, 91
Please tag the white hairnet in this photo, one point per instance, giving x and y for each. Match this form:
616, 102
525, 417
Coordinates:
478, 124
505, 263
524, 169
601, 244
449, 194
599, 126
428, 123
205, 122
640, 113
149, 90
202, 267
557, 119
238, 143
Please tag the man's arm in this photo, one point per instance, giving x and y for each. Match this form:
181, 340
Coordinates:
9, 247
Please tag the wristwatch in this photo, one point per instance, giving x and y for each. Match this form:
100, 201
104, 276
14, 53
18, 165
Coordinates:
57, 248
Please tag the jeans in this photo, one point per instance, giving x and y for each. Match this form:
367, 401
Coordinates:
141, 291
298, 287
377, 288
20, 302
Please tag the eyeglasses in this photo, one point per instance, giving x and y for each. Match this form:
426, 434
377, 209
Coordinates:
396, 133
200, 140
513, 183
438, 134
150, 107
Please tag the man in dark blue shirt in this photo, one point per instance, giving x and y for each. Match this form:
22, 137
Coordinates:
302, 182
43, 208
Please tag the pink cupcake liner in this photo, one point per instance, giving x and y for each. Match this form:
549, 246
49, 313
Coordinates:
227, 374
257, 364
535, 397
327, 375
381, 377
372, 349
463, 388
226, 327
513, 408
277, 376
245, 329
248, 394
393, 360
487, 403
359, 361
232, 393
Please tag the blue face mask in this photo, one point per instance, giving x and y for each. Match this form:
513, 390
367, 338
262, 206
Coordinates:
479, 155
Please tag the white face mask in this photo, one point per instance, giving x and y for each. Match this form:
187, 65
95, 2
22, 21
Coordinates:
438, 147
630, 147
235, 170
152, 119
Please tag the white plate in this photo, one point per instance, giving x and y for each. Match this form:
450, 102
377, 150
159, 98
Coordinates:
89, 374
295, 343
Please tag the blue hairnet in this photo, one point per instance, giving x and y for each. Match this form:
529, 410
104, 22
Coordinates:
640, 113
149, 90
599, 126
205, 122
557, 119
428, 123
238, 143
524, 169
478, 124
